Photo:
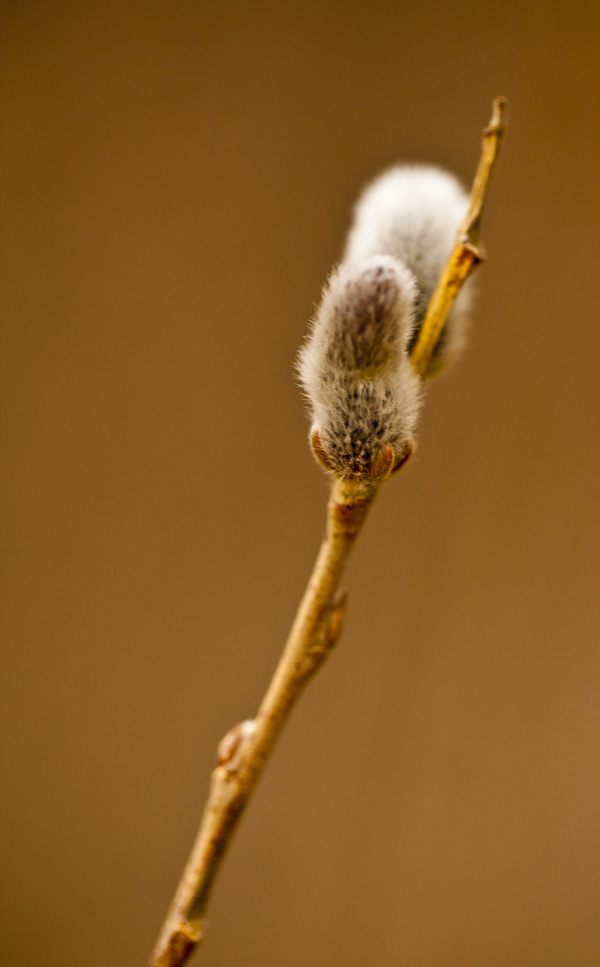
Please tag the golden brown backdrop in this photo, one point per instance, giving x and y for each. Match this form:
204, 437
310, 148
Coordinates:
177, 179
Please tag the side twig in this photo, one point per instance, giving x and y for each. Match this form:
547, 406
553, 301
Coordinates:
468, 251
244, 750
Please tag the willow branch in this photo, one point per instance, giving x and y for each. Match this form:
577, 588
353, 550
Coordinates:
243, 752
468, 251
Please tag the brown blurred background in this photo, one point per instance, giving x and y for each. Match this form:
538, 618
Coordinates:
177, 179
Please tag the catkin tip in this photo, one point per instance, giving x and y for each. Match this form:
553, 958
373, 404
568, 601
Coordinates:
413, 212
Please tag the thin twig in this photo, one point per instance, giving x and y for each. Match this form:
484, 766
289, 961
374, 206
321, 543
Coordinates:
468, 251
244, 751
316, 629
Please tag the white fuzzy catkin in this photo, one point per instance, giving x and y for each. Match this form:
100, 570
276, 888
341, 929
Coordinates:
355, 366
413, 212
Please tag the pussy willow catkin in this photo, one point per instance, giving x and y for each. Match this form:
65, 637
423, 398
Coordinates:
355, 366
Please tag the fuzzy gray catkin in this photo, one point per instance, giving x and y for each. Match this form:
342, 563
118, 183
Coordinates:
413, 212
355, 366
